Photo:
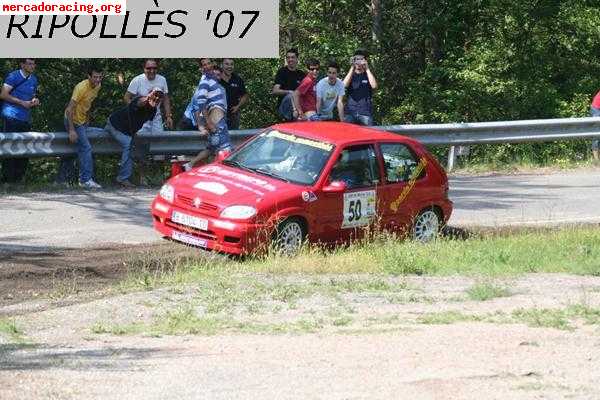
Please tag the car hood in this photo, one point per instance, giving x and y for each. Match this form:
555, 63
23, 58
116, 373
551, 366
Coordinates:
224, 186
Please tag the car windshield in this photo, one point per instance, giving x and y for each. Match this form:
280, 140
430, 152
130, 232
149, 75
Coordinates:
283, 156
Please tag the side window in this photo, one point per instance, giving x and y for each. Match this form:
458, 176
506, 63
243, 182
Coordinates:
400, 162
357, 167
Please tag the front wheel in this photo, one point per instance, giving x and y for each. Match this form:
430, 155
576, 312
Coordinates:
426, 226
289, 236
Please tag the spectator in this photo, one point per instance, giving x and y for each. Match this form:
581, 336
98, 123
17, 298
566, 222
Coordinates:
124, 123
330, 91
237, 95
141, 85
187, 123
208, 110
19, 97
359, 83
595, 112
305, 96
77, 117
287, 80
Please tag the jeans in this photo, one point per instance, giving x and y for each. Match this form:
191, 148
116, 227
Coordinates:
321, 117
66, 170
155, 125
126, 164
286, 108
359, 119
13, 169
594, 112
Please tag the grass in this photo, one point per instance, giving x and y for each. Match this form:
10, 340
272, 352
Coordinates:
563, 319
10, 330
231, 295
572, 249
487, 291
447, 317
522, 166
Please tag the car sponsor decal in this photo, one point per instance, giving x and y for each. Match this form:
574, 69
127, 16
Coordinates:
216, 170
301, 140
237, 185
309, 197
212, 187
394, 205
359, 208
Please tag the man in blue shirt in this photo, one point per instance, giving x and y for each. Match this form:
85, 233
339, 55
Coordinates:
18, 95
207, 112
360, 83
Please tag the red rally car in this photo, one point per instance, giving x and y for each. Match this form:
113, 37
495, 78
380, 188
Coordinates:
324, 182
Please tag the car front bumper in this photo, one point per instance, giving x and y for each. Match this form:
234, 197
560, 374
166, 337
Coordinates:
227, 236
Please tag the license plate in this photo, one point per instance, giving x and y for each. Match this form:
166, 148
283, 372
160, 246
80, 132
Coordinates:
188, 239
189, 220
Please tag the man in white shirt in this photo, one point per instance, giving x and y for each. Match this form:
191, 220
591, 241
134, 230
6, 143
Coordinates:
330, 91
142, 85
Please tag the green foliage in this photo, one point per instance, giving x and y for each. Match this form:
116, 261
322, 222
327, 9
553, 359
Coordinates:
440, 61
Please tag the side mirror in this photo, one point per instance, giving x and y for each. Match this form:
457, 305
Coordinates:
221, 155
335, 187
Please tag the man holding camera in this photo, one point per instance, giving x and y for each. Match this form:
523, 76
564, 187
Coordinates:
124, 123
18, 97
360, 83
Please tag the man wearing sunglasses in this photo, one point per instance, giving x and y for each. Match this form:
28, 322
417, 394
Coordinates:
125, 123
305, 96
142, 84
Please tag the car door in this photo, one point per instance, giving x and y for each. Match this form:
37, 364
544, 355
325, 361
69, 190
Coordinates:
403, 192
345, 215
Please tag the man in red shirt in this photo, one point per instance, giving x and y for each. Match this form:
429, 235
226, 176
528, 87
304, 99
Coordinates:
595, 112
305, 96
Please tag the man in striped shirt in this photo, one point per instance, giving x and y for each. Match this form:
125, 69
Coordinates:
207, 111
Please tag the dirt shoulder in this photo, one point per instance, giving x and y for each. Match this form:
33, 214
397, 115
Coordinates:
78, 274
287, 337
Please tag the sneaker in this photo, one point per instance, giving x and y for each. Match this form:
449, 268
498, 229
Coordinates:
90, 185
187, 166
126, 184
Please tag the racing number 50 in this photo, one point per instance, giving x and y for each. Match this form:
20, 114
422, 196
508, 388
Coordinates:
355, 210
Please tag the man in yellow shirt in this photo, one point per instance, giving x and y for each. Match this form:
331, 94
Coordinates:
76, 122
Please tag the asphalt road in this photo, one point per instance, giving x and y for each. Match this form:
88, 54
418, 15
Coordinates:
78, 219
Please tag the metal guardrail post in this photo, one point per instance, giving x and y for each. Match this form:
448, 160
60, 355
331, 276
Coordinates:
451, 159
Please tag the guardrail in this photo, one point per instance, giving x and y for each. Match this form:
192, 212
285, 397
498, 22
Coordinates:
35, 144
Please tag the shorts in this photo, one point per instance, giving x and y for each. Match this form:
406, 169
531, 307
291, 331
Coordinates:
219, 140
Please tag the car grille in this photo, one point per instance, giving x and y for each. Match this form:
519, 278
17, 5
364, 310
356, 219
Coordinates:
188, 202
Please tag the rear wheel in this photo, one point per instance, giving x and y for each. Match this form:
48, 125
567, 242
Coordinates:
290, 236
426, 226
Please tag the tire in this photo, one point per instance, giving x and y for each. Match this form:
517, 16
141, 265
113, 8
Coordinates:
289, 236
426, 226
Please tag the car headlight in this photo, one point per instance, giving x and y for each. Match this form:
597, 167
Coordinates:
238, 212
167, 192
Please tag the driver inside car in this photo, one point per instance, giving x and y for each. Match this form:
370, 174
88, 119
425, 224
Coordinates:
343, 171
311, 163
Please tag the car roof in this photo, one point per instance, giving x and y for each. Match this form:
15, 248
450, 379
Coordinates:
337, 133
